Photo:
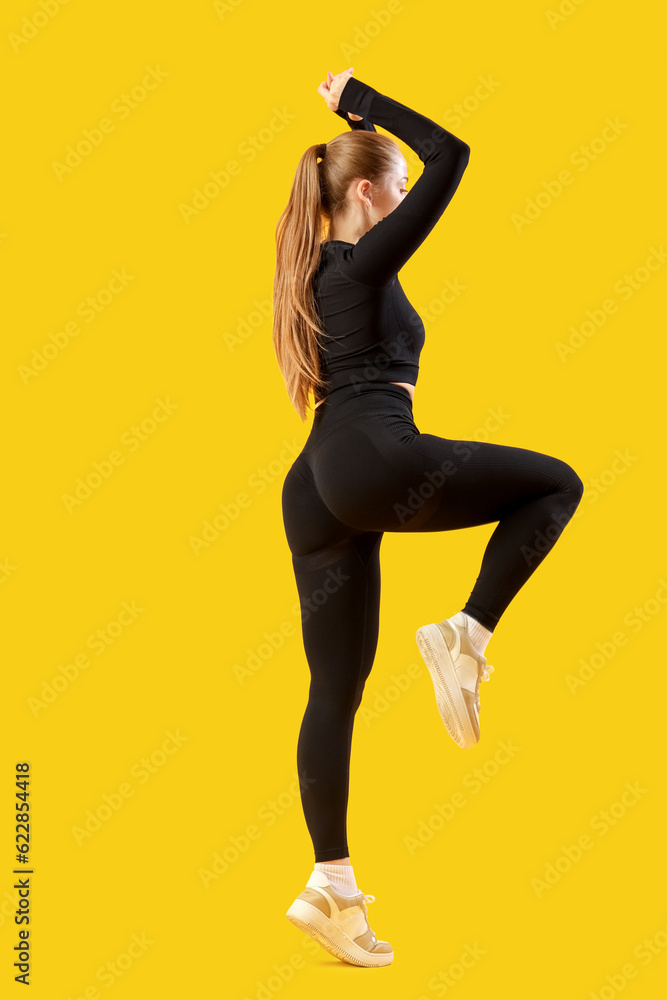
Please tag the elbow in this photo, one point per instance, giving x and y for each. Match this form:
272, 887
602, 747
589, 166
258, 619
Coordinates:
451, 151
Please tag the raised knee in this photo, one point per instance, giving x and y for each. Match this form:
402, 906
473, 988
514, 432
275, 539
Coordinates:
575, 485
567, 480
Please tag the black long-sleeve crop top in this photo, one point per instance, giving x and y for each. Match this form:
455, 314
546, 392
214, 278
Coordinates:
372, 332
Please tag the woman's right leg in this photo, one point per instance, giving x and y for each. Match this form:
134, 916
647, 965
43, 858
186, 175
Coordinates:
337, 570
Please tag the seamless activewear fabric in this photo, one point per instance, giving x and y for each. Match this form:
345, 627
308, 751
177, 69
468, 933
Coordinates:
366, 468
372, 332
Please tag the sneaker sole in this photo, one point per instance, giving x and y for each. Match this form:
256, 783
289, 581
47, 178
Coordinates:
451, 704
326, 932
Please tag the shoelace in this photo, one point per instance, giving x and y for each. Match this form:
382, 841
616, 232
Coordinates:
488, 669
368, 898
485, 675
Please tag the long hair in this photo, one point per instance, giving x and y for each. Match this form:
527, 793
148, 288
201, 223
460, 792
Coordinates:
317, 199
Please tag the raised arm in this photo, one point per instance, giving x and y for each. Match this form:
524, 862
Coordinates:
384, 249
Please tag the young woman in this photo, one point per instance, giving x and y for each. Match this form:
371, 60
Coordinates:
344, 329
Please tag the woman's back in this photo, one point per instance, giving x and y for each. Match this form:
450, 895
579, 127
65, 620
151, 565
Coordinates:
371, 333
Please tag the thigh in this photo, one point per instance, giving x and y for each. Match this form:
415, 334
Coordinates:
467, 483
337, 571
382, 474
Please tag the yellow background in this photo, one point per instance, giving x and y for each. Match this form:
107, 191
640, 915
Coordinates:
173, 668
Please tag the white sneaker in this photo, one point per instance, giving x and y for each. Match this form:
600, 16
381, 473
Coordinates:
339, 923
456, 670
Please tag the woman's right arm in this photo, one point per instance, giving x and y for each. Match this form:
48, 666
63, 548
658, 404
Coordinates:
384, 249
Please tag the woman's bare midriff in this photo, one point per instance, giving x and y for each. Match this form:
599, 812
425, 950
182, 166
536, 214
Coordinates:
406, 385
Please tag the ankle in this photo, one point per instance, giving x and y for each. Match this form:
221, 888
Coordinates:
341, 877
478, 634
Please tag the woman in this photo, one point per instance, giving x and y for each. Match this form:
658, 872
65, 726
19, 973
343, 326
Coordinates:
344, 329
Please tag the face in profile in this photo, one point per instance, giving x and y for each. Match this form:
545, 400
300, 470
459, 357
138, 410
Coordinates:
387, 198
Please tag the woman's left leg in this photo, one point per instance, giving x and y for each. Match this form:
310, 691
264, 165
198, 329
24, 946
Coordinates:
532, 496
383, 474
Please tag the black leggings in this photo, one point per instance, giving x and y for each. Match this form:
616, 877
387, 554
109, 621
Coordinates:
366, 469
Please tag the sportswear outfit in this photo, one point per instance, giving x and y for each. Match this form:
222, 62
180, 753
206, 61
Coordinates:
366, 468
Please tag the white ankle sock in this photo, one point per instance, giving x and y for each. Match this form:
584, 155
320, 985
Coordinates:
340, 876
479, 636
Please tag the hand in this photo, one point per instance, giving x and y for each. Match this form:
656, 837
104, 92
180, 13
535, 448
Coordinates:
332, 87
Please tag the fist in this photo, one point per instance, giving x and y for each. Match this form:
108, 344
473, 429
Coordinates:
332, 87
